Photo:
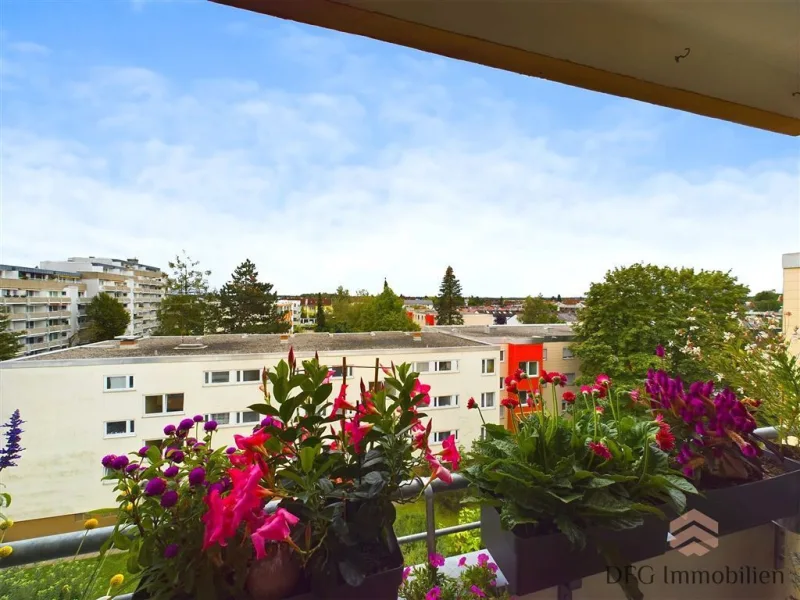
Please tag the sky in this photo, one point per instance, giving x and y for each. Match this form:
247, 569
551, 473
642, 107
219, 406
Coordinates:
143, 128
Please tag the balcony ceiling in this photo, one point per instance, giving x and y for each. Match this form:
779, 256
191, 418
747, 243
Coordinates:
743, 65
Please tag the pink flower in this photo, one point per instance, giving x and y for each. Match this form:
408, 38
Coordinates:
660, 351
340, 403
437, 470
599, 390
600, 409
603, 380
477, 591
422, 389
275, 528
492, 567
635, 395
462, 562
247, 494
406, 573
600, 450
483, 559
586, 390
436, 560
450, 452
434, 593
356, 432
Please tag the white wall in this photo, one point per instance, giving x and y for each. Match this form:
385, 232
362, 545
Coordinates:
65, 406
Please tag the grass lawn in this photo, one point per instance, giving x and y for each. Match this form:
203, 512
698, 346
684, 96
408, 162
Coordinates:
65, 579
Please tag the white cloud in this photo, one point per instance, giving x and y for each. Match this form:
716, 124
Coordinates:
374, 171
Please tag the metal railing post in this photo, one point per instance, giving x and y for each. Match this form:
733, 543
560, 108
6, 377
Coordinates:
430, 521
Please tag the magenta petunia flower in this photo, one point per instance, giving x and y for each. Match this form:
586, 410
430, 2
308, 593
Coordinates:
660, 351
436, 560
477, 591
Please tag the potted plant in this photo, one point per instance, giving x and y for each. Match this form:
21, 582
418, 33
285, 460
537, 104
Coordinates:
473, 582
557, 481
330, 470
743, 485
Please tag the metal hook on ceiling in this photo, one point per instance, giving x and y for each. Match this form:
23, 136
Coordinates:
686, 53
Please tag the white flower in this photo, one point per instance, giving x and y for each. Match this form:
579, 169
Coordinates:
732, 314
749, 348
718, 376
740, 390
763, 335
727, 336
690, 318
670, 343
693, 327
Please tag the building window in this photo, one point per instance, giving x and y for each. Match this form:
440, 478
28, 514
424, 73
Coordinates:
522, 396
544, 354
570, 378
566, 353
445, 401
158, 404
116, 383
502, 356
440, 436
444, 366
219, 418
502, 384
337, 371
530, 367
421, 367
118, 428
248, 416
483, 432
218, 377
487, 366
487, 400
248, 376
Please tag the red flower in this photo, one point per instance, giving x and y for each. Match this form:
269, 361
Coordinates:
568, 397
422, 389
586, 389
665, 439
600, 409
275, 528
511, 386
450, 452
355, 432
471, 403
546, 377
437, 470
340, 403
600, 450
599, 390
519, 374
603, 380
510, 403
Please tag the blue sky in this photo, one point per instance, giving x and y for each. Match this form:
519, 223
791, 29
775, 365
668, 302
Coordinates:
143, 128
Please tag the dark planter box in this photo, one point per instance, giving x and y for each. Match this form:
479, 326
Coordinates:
741, 507
539, 562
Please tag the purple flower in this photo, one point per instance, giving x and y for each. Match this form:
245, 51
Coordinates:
171, 551
210, 426
169, 499
171, 471
191, 441
660, 351
176, 456
198, 446
492, 567
197, 476
169, 429
218, 486
120, 462
143, 451
749, 450
483, 559
230, 450
406, 573
13, 449
155, 487
198, 418
462, 562
477, 591
108, 460
132, 468
186, 424
436, 560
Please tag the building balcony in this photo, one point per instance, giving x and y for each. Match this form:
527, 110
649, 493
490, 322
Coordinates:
762, 552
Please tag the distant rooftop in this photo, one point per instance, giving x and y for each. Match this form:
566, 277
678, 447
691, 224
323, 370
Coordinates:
225, 344
37, 270
504, 334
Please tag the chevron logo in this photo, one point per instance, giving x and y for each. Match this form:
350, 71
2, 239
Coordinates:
694, 534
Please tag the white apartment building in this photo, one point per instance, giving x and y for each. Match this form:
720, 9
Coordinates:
112, 397
45, 306
139, 287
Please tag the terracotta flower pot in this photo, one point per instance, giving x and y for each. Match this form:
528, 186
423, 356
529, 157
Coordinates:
275, 576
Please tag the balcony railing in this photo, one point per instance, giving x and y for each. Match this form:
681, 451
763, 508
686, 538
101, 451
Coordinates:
68, 544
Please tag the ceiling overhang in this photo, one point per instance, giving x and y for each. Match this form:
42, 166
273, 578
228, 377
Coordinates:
736, 61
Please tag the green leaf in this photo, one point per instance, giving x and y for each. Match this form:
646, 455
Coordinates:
307, 456
132, 564
681, 483
264, 409
677, 499
568, 527
153, 454
121, 541
599, 482
602, 501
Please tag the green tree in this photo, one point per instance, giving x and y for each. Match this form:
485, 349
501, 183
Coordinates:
183, 310
558, 299
538, 310
384, 312
320, 314
475, 301
10, 344
248, 305
449, 300
636, 308
767, 301
106, 318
